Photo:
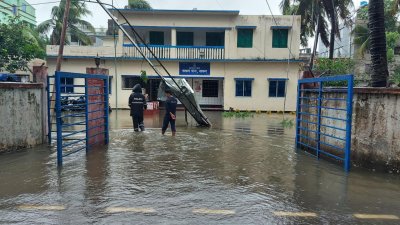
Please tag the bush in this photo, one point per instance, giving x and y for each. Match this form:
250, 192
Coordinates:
238, 114
396, 76
18, 46
332, 67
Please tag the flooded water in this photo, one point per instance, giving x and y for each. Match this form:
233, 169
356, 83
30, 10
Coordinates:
241, 171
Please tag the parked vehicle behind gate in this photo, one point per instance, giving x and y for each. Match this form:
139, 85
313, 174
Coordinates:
9, 77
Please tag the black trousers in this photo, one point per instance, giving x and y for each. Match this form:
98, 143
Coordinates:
168, 120
137, 123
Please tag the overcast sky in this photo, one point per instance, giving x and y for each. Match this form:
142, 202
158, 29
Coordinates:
99, 18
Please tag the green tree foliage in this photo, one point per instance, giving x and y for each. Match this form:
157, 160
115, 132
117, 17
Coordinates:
392, 39
362, 13
331, 67
312, 10
334, 66
396, 76
139, 4
76, 25
362, 33
361, 38
19, 44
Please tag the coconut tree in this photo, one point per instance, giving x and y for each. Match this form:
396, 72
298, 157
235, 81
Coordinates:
76, 25
376, 24
325, 15
361, 31
361, 38
139, 4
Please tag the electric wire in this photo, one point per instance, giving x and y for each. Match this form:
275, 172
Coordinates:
138, 37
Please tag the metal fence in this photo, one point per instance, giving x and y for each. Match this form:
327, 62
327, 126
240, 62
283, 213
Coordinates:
78, 110
324, 116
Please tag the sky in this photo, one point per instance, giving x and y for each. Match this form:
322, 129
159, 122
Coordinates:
99, 17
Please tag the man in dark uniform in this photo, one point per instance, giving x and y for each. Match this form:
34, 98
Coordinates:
137, 103
170, 114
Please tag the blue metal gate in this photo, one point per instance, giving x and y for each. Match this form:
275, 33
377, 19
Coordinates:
324, 116
78, 110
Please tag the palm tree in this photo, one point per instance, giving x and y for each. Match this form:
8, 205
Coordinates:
361, 38
319, 13
376, 24
76, 25
361, 31
139, 4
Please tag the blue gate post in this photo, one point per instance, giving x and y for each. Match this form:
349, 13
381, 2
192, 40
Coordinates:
107, 110
298, 114
349, 105
87, 114
319, 99
49, 110
59, 119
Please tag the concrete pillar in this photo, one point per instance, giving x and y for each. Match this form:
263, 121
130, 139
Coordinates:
94, 70
40, 76
173, 43
120, 43
173, 37
228, 44
96, 126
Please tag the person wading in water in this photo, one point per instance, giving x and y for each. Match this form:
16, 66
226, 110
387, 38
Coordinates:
170, 113
137, 103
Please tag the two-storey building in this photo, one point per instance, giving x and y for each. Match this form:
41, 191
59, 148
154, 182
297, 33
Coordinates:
21, 8
231, 60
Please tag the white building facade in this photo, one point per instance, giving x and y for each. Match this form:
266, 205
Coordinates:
231, 60
344, 47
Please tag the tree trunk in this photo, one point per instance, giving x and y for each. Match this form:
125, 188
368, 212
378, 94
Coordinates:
332, 39
378, 50
63, 33
315, 45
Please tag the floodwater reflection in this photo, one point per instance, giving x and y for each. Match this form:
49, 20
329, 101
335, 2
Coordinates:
240, 171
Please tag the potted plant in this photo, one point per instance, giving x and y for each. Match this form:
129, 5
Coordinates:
144, 79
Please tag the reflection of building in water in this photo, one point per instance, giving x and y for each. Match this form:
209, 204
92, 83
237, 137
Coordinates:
32, 173
97, 172
328, 187
275, 130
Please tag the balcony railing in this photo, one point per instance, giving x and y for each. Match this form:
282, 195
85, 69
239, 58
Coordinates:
177, 52
200, 52
160, 51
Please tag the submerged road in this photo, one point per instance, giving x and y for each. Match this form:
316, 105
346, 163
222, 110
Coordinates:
241, 171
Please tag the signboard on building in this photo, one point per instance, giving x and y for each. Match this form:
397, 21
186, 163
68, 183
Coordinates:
194, 68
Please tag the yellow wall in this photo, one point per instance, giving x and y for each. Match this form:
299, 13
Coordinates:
260, 71
262, 36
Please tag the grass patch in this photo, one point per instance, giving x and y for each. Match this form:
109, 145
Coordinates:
238, 114
287, 123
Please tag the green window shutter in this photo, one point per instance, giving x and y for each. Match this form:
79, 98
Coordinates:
156, 38
215, 39
280, 38
184, 38
245, 38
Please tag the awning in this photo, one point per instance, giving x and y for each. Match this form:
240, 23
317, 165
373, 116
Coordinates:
278, 79
281, 27
181, 76
244, 79
246, 27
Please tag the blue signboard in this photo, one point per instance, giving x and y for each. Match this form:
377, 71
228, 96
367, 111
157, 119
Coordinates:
194, 68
